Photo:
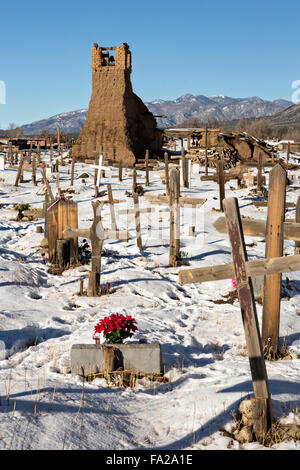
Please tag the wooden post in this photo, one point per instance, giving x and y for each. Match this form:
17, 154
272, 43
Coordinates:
33, 171
58, 141
174, 217
46, 182
167, 173
72, 170
183, 169
30, 152
147, 167
297, 244
133, 181
51, 151
120, 170
10, 153
249, 314
274, 249
39, 153
206, 157
111, 208
221, 181
137, 221
57, 179
19, 174
288, 152
259, 171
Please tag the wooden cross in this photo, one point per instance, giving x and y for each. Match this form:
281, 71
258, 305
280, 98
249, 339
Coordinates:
183, 201
97, 234
260, 165
220, 177
275, 230
243, 270
174, 216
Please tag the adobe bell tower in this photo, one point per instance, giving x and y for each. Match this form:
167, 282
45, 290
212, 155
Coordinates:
117, 119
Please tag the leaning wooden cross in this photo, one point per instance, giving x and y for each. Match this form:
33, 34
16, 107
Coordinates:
243, 270
97, 234
275, 229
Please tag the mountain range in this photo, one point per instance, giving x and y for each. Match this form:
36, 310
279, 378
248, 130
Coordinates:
219, 107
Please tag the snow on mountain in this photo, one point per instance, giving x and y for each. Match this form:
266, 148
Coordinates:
219, 107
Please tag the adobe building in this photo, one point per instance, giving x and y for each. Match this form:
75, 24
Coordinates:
117, 119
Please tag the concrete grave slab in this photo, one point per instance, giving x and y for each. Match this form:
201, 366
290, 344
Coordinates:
145, 358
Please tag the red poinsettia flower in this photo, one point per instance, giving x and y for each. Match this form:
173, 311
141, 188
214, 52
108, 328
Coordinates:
116, 327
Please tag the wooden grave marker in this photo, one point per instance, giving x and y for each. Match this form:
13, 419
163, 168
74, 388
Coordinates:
275, 230
97, 234
243, 270
63, 250
174, 196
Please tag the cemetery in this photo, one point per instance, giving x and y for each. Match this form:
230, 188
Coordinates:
117, 257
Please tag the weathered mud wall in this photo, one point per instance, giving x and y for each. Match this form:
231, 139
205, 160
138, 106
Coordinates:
117, 119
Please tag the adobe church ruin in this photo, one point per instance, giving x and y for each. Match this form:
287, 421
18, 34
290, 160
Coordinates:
117, 119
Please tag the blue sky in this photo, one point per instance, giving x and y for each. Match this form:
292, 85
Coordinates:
234, 48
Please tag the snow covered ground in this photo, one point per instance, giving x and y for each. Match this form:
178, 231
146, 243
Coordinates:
44, 406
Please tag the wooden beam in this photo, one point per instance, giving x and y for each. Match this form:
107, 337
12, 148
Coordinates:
257, 267
258, 227
183, 201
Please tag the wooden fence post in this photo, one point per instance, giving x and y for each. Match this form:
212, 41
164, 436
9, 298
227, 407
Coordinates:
174, 217
274, 249
249, 316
